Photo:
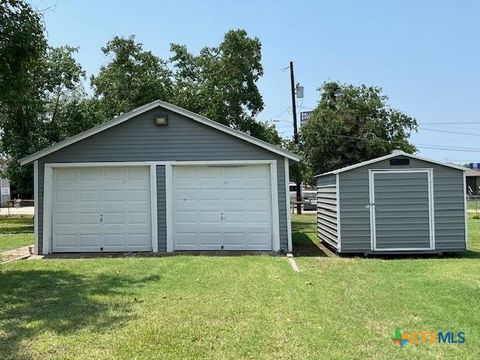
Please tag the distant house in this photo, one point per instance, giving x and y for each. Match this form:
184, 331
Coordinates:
5, 192
473, 181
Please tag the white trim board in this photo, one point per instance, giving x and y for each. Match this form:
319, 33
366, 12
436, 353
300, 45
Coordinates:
35, 204
431, 214
142, 109
390, 156
154, 207
339, 227
287, 196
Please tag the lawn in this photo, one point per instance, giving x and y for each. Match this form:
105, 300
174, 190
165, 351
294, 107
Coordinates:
15, 232
252, 307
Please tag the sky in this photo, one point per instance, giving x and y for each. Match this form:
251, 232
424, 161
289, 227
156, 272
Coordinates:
424, 54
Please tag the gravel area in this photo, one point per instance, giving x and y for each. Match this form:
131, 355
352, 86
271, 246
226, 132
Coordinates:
16, 254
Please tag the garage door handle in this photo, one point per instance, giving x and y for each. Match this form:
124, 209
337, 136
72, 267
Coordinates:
101, 217
221, 217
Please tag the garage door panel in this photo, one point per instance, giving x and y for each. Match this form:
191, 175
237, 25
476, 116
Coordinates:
114, 218
117, 240
139, 218
64, 196
102, 208
218, 214
114, 195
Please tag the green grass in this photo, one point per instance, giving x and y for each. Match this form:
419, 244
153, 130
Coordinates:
15, 232
231, 307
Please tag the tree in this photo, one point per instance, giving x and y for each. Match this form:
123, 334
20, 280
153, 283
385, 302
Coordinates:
22, 45
353, 124
40, 88
133, 78
221, 83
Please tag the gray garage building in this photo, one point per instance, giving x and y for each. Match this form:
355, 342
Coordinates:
161, 178
399, 203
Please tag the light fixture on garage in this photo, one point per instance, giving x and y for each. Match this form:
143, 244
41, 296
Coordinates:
161, 120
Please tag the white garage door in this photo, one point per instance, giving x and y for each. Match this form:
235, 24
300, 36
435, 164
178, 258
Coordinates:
219, 208
101, 209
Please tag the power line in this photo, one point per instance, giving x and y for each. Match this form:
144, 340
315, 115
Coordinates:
449, 131
452, 123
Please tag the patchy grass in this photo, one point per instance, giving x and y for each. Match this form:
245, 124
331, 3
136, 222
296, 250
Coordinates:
15, 232
250, 307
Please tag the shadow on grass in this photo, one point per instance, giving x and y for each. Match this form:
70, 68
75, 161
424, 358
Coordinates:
15, 225
303, 245
35, 301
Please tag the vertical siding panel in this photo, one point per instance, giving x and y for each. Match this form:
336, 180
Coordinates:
161, 209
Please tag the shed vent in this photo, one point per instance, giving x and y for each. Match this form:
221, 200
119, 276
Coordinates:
399, 161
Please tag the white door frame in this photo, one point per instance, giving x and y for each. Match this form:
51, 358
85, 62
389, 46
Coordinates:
48, 197
373, 234
273, 189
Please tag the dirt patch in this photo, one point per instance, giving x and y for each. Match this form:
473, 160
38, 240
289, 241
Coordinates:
16, 254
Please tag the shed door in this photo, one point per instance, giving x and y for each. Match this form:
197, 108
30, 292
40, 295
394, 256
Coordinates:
101, 209
222, 207
402, 210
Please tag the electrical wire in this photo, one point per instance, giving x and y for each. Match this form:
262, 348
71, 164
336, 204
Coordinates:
448, 131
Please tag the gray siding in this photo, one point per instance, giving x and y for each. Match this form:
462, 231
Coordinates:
448, 206
402, 218
161, 209
327, 210
138, 139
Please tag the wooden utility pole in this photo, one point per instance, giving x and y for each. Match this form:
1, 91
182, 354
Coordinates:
295, 137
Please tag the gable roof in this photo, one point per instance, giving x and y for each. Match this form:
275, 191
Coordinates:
389, 156
140, 110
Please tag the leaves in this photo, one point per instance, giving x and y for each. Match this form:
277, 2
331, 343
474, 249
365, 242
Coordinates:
133, 78
352, 124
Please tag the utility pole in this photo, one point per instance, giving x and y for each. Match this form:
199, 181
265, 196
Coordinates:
295, 137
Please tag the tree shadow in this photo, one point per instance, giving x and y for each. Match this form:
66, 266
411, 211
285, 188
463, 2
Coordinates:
34, 301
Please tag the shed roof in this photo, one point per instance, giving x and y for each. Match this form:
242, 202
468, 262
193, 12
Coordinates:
142, 109
392, 155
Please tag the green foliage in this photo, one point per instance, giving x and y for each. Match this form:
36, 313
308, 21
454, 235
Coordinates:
22, 45
40, 91
133, 78
221, 82
352, 124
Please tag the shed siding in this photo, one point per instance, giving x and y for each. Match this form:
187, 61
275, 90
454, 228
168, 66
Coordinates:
327, 211
138, 139
448, 206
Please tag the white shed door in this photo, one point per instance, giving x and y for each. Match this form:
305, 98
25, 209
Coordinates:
222, 208
101, 209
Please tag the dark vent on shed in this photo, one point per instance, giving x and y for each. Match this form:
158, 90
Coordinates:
399, 161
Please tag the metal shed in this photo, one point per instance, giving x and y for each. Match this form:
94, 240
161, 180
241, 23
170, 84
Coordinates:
399, 203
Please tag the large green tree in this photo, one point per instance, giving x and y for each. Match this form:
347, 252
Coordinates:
41, 95
132, 78
22, 46
221, 83
352, 124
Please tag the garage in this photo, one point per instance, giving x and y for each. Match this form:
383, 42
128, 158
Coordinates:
161, 179
222, 208
101, 209
396, 204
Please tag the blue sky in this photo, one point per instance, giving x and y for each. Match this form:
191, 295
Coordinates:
424, 54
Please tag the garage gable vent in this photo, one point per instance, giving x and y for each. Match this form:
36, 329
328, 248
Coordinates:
399, 161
